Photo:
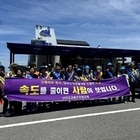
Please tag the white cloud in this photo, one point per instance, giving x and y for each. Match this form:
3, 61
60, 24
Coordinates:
110, 23
10, 30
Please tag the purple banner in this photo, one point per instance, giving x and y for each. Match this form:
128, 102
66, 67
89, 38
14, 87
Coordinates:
37, 90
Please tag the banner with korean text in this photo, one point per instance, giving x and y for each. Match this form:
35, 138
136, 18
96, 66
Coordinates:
39, 90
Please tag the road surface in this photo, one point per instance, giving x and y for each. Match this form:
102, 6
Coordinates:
89, 122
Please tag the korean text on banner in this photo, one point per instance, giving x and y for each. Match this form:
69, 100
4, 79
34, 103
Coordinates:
36, 90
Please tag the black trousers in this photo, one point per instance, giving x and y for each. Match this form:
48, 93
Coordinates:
17, 107
132, 89
5, 105
14, 106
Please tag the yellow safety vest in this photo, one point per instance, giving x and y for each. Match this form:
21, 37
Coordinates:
2, 80
134, 72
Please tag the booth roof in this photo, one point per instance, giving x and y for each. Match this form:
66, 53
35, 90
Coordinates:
21, 48
72, 42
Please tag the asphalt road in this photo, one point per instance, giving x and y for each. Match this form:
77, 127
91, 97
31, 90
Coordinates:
115, 126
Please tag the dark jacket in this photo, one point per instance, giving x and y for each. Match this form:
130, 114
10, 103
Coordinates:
69, 75
56, 75
30, 76
108, 74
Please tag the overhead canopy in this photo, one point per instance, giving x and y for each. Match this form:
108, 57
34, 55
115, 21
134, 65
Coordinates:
72, 42
19, 48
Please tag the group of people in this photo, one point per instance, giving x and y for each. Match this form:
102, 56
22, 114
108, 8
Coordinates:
71, 73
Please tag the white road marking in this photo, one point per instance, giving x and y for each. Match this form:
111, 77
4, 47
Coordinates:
68, 118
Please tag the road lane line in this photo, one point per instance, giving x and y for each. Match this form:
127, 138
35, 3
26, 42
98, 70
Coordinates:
68, 118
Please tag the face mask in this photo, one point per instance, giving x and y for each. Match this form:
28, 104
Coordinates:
87, 70
98, 70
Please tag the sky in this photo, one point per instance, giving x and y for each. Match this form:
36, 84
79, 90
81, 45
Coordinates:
108, 23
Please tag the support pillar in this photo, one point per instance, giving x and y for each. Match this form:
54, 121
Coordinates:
136, 61
56, 60
111, 59
100, 59
75, 60
47, 59
83, 60
11, 56
50, 59
39, 60
123, 60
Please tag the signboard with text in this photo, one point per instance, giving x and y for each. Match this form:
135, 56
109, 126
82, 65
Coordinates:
36, 90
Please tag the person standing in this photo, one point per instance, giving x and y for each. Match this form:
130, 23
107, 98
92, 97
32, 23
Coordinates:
69, 74
132, 73
75, 67
31, 75
5, 105
10, 74
43, 73
13, 69
56, 74
78, 76
87, 74
2, 77
49, 69
17, 104
109, 73
97, 75
15, 107
2, 98
122, 72
33, 65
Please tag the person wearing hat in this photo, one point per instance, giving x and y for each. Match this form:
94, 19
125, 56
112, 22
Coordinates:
13, 69
122, 72
11, 73
78, 76
98, 73
109, 73
43, 73
132, 73
49, 70
87, 76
